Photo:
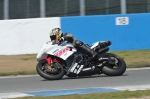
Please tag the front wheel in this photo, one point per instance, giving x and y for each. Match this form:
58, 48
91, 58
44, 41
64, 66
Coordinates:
53, 72
115, 68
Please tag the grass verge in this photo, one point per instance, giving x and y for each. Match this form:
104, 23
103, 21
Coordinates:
135, 58
26, 64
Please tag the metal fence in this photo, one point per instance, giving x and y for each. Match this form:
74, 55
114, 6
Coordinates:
20, 9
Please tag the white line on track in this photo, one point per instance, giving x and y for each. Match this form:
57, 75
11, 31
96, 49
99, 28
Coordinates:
128, 69
13, 95
119, 88
133, 87
126, 87
19, 76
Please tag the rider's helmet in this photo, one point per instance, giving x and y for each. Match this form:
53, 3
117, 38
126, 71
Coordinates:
55, 35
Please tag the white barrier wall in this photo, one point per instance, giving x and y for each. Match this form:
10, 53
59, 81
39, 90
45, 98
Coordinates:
25, 36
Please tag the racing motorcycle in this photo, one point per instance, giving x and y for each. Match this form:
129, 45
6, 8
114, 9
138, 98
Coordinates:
55, 61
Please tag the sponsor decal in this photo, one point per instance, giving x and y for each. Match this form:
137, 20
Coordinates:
56, 50
62, 52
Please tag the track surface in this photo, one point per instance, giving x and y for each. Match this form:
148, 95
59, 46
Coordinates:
36, 83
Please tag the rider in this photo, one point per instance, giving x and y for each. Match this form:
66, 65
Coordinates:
56, 35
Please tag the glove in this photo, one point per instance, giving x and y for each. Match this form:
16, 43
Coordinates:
61, 39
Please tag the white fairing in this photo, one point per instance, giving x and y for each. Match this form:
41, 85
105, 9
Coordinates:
94, 45
59, 51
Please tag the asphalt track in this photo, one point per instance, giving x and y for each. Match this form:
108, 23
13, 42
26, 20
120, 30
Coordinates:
36, 83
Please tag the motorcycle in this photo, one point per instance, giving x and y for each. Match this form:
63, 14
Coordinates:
55, 61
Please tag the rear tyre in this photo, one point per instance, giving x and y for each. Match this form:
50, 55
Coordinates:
53, 72
116, 69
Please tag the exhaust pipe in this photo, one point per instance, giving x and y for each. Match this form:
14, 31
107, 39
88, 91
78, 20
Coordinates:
103, 59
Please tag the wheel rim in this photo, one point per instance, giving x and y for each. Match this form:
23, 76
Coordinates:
114, 63
50, 70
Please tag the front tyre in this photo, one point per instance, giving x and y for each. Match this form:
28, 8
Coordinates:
117, 68
53, 72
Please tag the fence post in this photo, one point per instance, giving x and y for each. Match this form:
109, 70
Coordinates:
42, 8
148, 5
6, 9
123, 6
28, 9
82, 7
66, 7
107, 6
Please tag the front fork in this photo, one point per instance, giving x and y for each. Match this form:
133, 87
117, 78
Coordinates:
51, 60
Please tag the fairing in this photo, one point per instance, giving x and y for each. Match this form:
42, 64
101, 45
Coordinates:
62, 52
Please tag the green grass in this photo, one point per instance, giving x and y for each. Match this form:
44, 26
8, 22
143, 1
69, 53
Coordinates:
112, 95
135, 58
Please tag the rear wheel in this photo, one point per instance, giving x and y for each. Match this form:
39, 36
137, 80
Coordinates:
115, 67
53, 72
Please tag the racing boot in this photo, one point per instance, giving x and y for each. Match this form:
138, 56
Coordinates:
89, 51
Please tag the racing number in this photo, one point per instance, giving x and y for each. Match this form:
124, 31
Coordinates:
122, 21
